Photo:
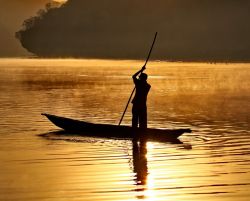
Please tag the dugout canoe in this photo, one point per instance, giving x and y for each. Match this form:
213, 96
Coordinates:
113, 131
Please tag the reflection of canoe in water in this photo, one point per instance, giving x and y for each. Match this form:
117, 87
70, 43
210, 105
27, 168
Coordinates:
113, 131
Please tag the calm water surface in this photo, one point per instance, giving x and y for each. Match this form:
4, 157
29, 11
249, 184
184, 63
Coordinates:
213, 163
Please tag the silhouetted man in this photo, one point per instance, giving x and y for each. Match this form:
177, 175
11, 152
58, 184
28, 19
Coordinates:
139, 109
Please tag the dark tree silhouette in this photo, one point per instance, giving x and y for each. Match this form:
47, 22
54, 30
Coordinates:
194, 30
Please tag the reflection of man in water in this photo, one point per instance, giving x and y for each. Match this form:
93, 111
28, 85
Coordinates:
140, 162
139, 109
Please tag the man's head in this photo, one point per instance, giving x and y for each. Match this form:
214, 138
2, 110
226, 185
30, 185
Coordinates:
143, 77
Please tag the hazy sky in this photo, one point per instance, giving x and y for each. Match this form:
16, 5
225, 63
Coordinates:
12, 15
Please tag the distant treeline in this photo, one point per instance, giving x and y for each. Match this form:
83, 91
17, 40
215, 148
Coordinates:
193, 30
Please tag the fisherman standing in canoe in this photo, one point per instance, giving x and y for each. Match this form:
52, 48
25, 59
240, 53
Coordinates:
139, 109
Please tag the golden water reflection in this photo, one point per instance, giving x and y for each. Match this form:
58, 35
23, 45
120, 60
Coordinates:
145, 177
140, 168
140, 162
211, 99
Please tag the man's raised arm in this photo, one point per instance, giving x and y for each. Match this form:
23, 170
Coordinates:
137, 73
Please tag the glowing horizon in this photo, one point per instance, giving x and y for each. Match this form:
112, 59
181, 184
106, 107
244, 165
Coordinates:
60, 1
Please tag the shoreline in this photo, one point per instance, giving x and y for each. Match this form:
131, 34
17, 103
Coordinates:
123, 59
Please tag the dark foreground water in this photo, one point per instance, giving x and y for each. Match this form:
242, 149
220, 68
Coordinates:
213, 163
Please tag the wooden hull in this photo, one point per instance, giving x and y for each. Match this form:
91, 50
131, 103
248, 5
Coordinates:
113, 131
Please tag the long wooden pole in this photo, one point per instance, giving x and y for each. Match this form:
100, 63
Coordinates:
134, 87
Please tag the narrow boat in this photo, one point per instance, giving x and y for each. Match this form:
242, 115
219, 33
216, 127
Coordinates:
114, 131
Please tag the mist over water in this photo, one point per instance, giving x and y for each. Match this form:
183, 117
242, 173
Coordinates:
211, 99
